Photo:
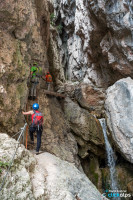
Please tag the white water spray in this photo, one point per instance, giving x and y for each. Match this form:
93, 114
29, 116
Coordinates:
110, 158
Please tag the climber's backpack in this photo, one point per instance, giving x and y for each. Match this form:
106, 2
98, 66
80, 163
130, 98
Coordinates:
39, 71
37, 119
49, 78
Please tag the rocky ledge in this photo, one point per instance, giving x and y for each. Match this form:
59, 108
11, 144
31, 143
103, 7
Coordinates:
42, 176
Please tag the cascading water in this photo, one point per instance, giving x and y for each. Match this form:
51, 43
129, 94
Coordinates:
110, 158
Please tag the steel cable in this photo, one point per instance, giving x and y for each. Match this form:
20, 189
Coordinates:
12, 160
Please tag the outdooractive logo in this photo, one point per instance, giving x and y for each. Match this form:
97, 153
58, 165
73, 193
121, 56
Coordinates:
116, 194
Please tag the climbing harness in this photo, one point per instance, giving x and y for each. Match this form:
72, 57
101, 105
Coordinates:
13, 157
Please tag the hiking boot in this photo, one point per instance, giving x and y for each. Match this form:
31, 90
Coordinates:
37, 152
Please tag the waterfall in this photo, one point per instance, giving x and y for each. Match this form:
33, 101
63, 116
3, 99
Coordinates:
110, 158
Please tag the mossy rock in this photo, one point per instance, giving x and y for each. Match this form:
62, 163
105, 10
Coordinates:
93, 172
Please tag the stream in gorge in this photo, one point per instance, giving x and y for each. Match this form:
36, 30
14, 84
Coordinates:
110, 158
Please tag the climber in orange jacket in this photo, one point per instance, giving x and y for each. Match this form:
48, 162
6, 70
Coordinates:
48, 79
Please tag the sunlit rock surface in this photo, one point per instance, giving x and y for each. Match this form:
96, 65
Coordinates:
42, 176
18, 182
119, 110
21, 44
63, 180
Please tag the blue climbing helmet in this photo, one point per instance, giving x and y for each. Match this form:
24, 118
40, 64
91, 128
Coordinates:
35, 106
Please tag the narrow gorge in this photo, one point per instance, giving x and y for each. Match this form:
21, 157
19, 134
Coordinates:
87, 46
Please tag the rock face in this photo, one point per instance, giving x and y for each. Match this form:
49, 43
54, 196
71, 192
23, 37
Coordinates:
86, 128
89, 97
119, 110
98, 38
18, 182
57, 137
42, 177
92, 50
25, 28
21, 44
64, 181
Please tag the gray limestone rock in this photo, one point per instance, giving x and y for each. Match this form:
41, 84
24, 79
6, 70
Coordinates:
119, 111
98, 40
86, 128
42, 176
17, 184
63, 181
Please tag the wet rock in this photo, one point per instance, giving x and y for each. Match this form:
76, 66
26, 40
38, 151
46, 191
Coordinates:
130, 186
124, 176
92, 170
119, 111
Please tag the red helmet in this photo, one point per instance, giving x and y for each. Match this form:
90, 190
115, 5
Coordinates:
47, 72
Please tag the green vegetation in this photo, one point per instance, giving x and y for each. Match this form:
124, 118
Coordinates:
52, 19
3, 165
59, 28
52, 22
96, 178
105, 178
94, 174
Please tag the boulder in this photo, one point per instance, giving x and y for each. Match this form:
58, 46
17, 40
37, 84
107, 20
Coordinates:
89, 97
18, 182
130, 186
119, 111
42, 176
63, 181
86, 127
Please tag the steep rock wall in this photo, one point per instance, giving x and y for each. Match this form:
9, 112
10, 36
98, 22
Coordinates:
21, 44
99, 39
57, 137
25, 32
95, 48
92, 51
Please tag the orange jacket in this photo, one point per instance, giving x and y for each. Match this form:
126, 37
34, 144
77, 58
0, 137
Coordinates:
48, 78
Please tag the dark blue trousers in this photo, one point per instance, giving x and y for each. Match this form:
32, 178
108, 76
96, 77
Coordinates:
32, 130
